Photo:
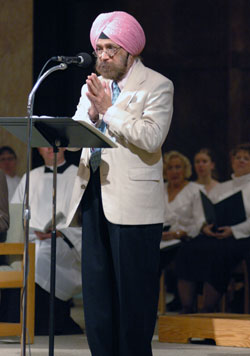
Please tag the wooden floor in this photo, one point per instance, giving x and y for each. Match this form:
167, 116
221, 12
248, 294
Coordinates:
77, 345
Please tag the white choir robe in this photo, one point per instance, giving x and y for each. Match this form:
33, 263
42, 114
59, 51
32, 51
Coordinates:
225, 189
185, 212
12, 183
68, 260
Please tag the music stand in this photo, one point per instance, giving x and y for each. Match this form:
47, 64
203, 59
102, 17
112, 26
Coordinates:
56, 132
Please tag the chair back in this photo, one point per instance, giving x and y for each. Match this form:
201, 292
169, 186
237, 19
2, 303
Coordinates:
15, 234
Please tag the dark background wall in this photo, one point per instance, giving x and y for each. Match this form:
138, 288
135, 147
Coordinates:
202, 46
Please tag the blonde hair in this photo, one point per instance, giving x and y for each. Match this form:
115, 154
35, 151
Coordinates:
185, 161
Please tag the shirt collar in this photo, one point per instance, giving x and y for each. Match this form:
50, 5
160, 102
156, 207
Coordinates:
60, 167
123, 82
241, 180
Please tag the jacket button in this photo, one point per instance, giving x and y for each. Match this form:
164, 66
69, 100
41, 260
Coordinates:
83, 186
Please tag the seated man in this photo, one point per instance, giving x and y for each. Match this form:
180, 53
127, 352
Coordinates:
8, 163
68, 256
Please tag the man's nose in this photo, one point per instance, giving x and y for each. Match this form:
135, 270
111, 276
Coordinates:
104, 56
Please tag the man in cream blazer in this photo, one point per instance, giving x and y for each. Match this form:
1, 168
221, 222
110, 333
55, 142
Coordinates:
131, 175
122, 199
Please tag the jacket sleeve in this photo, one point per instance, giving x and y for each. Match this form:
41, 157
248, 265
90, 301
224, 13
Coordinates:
144, 123
146, 120
4, 207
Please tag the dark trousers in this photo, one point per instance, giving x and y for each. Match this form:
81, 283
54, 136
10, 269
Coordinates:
120, 265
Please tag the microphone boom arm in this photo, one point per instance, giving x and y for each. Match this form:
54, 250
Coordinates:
61, 66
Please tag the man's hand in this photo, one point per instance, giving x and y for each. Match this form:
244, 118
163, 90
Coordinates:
93, 113
99, 95
46, 235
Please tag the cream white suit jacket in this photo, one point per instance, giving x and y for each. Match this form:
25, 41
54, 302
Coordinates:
131, 175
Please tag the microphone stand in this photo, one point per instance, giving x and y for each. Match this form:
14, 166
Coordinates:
26, 217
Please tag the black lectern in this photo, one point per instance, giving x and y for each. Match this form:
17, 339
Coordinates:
56, 132
59, 131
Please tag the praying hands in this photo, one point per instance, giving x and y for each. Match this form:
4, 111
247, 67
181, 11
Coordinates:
99, 94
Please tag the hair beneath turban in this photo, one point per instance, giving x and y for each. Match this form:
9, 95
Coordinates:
121, 28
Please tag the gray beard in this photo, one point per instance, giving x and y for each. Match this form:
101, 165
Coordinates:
111, 71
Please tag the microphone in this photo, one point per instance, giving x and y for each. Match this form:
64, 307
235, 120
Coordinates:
82, 60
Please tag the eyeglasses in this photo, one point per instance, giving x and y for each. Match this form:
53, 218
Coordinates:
111, 51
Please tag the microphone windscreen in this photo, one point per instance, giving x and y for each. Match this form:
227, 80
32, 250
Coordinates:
86, 60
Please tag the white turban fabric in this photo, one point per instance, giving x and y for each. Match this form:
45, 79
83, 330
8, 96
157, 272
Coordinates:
121, 28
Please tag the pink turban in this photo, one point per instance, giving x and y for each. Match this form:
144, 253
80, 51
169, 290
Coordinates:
121, 28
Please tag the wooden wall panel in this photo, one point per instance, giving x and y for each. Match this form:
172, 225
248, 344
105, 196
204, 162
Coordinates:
239, 72
16, 27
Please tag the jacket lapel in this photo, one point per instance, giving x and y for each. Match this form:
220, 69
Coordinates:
136, 78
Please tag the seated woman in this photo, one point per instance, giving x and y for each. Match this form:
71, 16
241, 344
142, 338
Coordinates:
204, 165
211, 256
184, 216
183, 205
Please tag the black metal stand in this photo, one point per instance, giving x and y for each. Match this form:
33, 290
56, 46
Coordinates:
26, 216
53, 258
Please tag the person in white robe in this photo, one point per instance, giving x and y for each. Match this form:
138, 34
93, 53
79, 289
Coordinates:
68, 246
184, 214
205, 169
228, 188
220, 251
183, 218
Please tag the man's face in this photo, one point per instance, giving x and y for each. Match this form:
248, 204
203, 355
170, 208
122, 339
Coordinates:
8, 163
48, 155
112, 67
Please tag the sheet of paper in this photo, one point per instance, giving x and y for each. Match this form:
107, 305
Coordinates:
165, 244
